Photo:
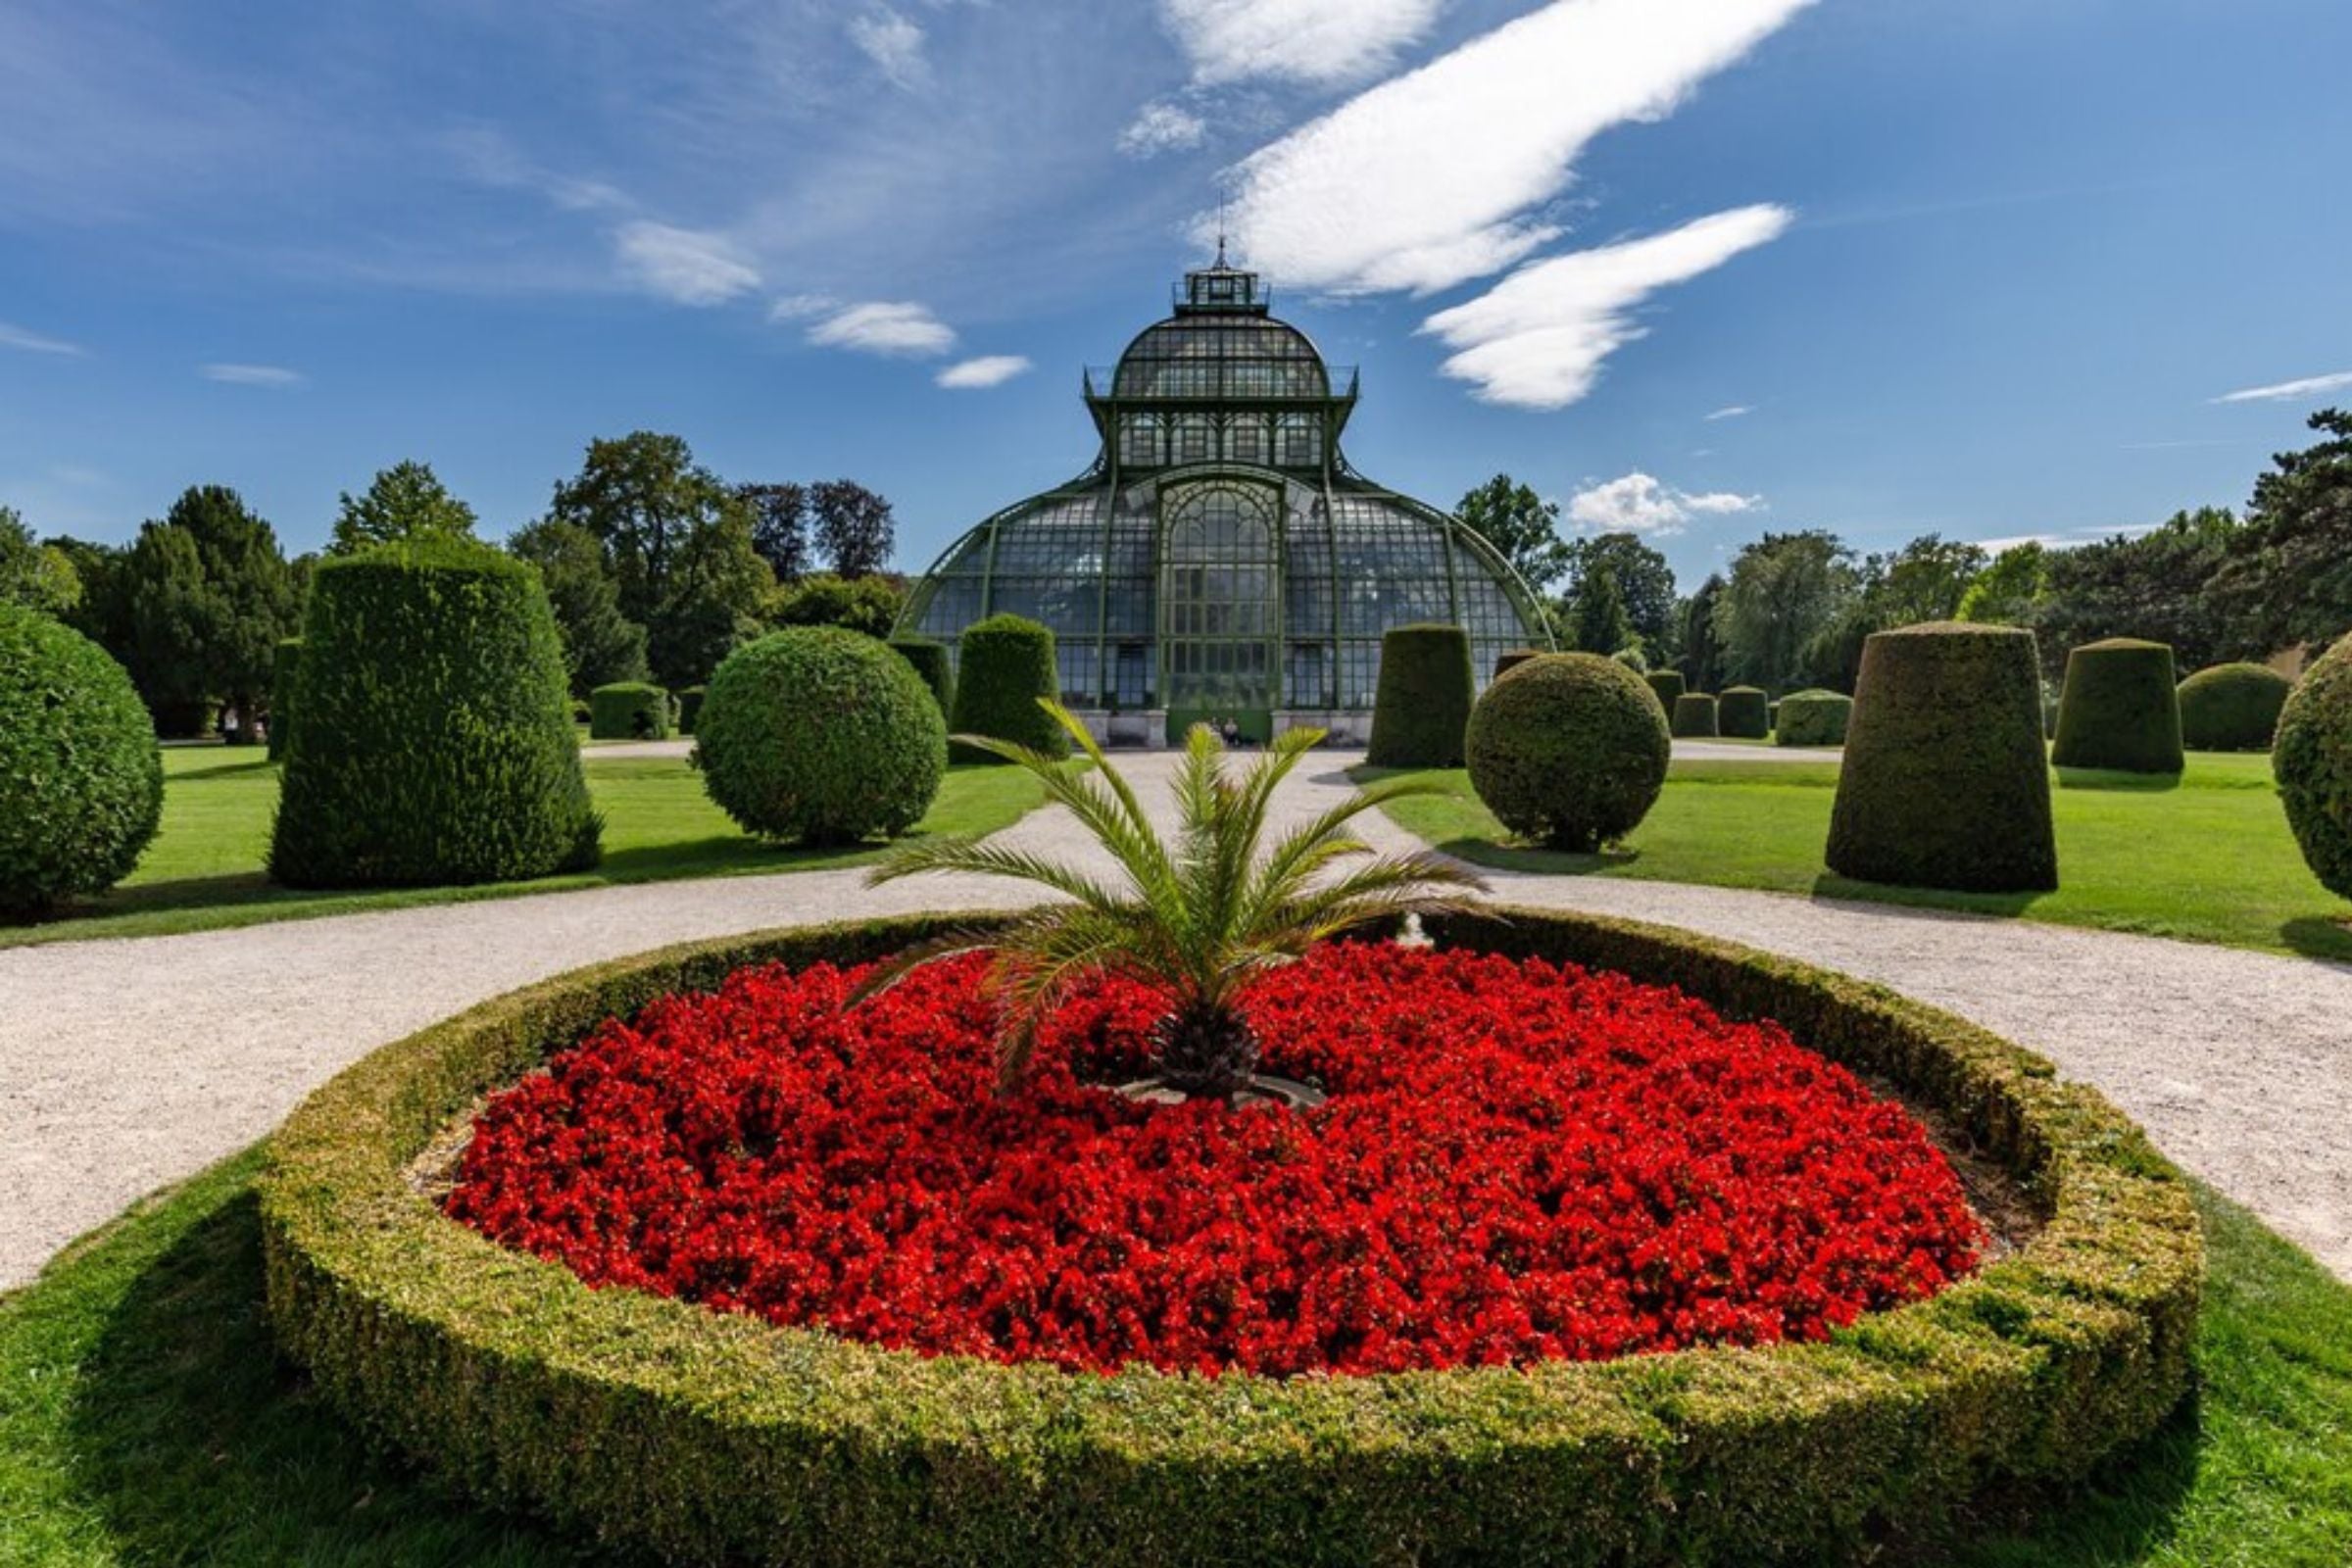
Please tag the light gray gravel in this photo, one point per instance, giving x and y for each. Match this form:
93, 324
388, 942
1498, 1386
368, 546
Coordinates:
129, 1065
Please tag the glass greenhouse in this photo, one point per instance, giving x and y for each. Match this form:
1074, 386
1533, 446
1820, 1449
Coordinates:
1221, 559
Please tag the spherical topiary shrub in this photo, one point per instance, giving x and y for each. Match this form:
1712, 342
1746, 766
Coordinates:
82, 779
2314, 763
1422, 712
931, 662
1006, 665
1744, 713
432, 739
1813, 719
1569, 751
1505, 664
1669, 686
1945, 782
629, 710
1696, 718
2121, 708
820, 735
281, 693
2232, 707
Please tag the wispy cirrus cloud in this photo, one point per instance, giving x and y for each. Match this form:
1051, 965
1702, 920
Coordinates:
896, 46
1537, 339
2311, 386
1162, 127
1737, 410
1639, 503
276, 377
889, 327
1313, 41
685, 265
29, 342
988, 370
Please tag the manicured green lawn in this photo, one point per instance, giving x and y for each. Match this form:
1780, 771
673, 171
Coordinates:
204, 868
2209, 858
144, 1418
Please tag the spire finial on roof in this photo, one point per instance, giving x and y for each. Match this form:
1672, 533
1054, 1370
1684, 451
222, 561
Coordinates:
1224, 200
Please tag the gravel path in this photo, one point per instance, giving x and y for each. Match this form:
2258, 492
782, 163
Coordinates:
129, 1065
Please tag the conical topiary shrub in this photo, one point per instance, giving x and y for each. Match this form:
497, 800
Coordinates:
2232, 707
2314, 763
1422, 712
283, 673
431, 740
1945, 782
2120, 709
1696, 718
1669, 686
1008, 666
1813, 719
81, 780
1743, 714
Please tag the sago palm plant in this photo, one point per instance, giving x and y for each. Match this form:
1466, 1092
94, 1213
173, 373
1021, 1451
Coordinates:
1194, 920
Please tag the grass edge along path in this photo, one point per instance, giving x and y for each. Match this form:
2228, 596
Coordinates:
2208, 859
144, 1417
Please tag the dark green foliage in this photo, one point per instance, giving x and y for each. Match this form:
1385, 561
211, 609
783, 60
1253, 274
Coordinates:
405, 503
431, 740
602, 647
1784, 590
2120, 709
82, 782
1643, 579
1569, 751
1523, 527
1006, 665
2232, 707
1597, 621
1947, 783
206, 596
819, 736
2314, 761
1813, 719
628, 711
1702, 651
690, 708
1505, 664
2154, 585
2288, 581
1668, 685
1696, 718
1744, 713
660, 1426
854, 527
931, 662
1422, 712
869, 605
282, 693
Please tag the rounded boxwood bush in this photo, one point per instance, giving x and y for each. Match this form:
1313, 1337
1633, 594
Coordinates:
1744, 713
1945, 782
1569, 751
81, 778
1813, 719
1696, 718
282, 671
431, 740
931, 662
628, 711
1006, 665
2314, 765
1421, 713
1669, 686
822, 735
693, 1435
2232, 707
2120, 709
690, 708
1505, 664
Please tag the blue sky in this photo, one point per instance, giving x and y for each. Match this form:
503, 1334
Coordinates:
1982, 267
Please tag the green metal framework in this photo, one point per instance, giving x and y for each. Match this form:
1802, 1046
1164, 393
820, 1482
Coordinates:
1221, 558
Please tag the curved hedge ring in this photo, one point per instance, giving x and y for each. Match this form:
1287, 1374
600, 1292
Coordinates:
709, 1437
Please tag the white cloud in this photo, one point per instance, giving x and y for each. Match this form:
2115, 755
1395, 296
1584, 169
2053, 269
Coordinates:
1316, 41
17, 337
685, 265
2291, 391
1538, 339
274, 377
895, 44
1640, 504
884, 327
1163, 128
990, 369
803, 307
1737, 410
1438, 176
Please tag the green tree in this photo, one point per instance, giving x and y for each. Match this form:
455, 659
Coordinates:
2007, 592
1520, 525
1784, 591
405, 503
2153, 586
710, 604
856, 529
602, 647
1643, 579
1701, 662
209, 595
869, 605
2287, 580
1597, 621
780, 527
36, 575
1925, 580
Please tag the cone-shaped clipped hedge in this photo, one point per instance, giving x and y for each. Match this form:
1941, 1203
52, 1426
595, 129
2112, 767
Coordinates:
431, 741
1744, 713
1696, 718
2120, 709
82, 779
1669, 686
1505, 664
690, 708
1569, 751
1007, 664
628, 711
2314, 762
931, 662
1946, 783
820, 735
283, 673
1421, 717
2232, 707
1813, 719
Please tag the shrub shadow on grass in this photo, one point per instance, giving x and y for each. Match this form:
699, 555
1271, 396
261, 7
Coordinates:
254, 761
1880, 898
1535, 860
2320, 937
2097, 778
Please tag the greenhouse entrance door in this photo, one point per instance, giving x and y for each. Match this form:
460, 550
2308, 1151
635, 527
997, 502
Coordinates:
1221, 599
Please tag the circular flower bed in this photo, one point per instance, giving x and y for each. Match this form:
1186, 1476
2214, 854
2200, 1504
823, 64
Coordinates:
1519, 1162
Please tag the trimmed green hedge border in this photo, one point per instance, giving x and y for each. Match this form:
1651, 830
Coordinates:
704, 1436
630, 710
